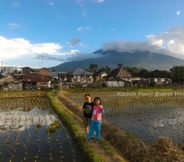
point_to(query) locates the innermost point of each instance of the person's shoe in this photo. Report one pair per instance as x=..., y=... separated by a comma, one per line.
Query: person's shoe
x=96, y=141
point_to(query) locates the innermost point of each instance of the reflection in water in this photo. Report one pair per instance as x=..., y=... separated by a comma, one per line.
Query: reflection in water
x=147, y=118
x=22, y=140
x=150, y=126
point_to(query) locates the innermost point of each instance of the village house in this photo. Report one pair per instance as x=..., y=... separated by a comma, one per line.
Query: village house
x=28, y=70
x=140, y=78
x=159, y=77
x=11, y=83
x=9, y=70
x=44, y=71
x=33, y=79
x=99, y=76
x=82, y=76
x=63, y=77
x=119, y=78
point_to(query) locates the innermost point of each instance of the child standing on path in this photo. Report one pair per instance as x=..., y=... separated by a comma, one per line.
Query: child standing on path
x=96, y=121
x=87, y=111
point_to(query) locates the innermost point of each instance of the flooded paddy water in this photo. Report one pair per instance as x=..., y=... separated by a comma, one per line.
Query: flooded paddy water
x=145, y=116
x=23, y=132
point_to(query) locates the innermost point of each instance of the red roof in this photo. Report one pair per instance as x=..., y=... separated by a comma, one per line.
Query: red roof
x=36, y=78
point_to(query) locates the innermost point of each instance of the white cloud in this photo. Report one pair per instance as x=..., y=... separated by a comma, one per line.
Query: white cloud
x=170, y=43
x=14, y=25
x=82, y=28
x=20, y=52
x=84, y=14
x=154, y=41
x=17, y=47
x=178, y=13
x=50, y=3
x=71, y=52
x=80, y=2
x=83, y=56
x=99, y=1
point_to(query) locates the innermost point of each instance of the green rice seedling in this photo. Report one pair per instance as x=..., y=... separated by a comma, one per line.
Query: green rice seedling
x=36, y=157
x=38, y=125
x=53, y=127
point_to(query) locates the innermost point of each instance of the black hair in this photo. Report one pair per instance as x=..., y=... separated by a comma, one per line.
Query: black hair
x=98, y=98
x=87, y=95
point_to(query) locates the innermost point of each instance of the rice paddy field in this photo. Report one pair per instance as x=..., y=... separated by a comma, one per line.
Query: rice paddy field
x=31, y=131
x=148, y=115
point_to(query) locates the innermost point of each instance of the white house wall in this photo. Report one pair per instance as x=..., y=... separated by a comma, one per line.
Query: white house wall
x=82, y=79
x=115, y=83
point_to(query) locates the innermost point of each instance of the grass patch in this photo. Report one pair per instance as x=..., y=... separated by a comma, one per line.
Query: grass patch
x=54, y=127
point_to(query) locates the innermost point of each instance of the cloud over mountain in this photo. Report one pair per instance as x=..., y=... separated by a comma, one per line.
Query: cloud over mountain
x=170, y=43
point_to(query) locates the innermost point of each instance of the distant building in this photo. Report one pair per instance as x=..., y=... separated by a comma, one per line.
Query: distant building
x=9, y=70
x=31, y=81
x=28, y=70
x=44, y=71
x=159, y=77
x=99, y=75
x=119, y=78
x=82, y=76
x=11, y=83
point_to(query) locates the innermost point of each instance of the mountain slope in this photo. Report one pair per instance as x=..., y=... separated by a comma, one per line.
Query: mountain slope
x=148, y=60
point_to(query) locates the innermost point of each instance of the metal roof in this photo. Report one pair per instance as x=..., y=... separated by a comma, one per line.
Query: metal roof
x=36, y=78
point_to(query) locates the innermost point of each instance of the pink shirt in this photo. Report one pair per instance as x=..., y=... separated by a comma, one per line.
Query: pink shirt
x=97, y=113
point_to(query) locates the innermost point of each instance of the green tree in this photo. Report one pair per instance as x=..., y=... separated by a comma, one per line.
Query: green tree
x=120, y=65
x=135, y=70
x=93, y=67
x=53, y=70
x=177, y=74
x=107, y=69
x=127, y=69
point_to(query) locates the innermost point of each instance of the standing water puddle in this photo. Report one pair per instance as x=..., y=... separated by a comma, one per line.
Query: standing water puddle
x=146, y=117
x=24, y=135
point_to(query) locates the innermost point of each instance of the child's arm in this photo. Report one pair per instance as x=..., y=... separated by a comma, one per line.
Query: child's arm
x=82, y=113
x=102, y=109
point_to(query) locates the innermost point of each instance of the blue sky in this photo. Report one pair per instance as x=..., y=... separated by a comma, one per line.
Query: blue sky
x=46, y=33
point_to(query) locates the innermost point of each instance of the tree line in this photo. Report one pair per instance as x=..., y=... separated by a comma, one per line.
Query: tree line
x=107, y=69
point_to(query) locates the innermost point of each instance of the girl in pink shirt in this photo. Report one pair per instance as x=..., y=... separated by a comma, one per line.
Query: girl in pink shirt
x=96, y=121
